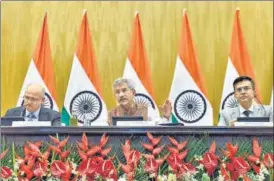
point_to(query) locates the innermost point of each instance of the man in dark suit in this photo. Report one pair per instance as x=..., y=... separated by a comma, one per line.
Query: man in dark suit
x=32, y=109
x=245, y=93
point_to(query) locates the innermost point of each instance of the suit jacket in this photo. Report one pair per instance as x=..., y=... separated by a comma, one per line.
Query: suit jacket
x=45, y=114
x=229, y=114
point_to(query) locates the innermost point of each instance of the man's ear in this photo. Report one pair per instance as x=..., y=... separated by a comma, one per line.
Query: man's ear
x=43, y=99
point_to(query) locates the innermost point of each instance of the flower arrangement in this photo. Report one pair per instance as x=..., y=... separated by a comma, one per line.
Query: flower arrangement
x=183, y=160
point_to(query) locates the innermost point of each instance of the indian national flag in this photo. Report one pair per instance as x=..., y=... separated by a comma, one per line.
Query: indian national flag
x=188, y=93
x=137, y=67
x=83, y=100
x=40, y=69
x=238, y=64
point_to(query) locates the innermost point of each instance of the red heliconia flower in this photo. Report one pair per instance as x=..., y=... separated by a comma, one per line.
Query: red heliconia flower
x=134, y=157
x=93, y=150
x=268, y=160
x=257, y=150
x=182, y=145
x=65, y=154
x=173, y=141
x=127, y=168
x=179, y=146
x=60, y=144
x=174, y=162
x=157, y=150
x=104, y=140
x=151, y=167
x=105, y=151
x=160, y=161
x=5, y=172
x=173, y=150
x=183, y=154
x=148, y=147
x=154, y=141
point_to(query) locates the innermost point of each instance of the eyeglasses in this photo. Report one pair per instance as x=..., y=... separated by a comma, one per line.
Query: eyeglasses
x=245, y=88
x=31, y=99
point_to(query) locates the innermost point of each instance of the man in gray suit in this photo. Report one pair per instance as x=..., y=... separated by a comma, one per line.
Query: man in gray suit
x=32, y=109
x=245, y=93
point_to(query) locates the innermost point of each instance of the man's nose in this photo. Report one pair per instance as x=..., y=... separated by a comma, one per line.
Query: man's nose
x=121, y=94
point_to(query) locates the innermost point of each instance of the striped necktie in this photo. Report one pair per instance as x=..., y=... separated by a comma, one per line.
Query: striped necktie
x=31, y=116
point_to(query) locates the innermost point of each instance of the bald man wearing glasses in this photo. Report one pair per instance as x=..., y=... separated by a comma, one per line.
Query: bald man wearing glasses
x=32, y=109
x=245, y=93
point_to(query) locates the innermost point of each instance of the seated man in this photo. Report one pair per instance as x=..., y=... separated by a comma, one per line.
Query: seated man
x=32, y=109
x=244, y=92
x=124, y=91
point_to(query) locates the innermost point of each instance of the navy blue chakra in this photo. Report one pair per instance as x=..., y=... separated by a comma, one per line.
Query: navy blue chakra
x=86, y=105
x=190, y=106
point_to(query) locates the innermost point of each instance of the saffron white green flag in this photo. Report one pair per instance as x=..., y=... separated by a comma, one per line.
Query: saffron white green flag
x=83, y=99
x=188, y=93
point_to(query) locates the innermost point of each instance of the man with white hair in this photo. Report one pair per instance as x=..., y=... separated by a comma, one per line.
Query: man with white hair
x=32, y=109
x=124, y=91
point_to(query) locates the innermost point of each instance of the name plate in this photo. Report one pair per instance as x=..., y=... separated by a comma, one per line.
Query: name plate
x=254, y=124
x=31, y=123
x=135, y=123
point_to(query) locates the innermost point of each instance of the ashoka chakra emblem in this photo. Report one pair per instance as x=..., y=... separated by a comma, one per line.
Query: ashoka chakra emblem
x=48, y=102
x=229, y=101
x=86, y=105
x=144, y=100
x=190, y=106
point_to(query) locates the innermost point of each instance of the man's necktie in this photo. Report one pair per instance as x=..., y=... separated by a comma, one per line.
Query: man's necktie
x=246, y=113
x=31, y=116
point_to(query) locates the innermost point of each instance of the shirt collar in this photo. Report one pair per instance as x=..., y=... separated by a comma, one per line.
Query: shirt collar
x=36, y=113
x=251, y=108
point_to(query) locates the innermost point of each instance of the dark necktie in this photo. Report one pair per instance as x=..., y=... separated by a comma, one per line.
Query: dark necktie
x=246, y=113
x=31, y=116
